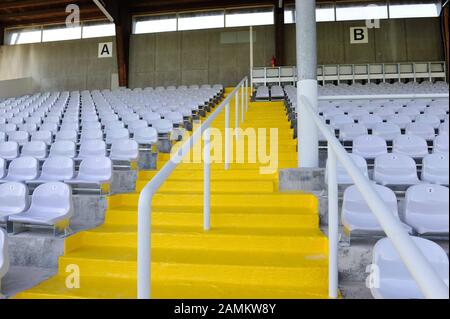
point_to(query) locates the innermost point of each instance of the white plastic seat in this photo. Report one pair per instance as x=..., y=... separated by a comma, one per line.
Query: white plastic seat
x=91, y=135
x=147, y=135
x=2, y=136
x=67, y=135
x=21, y=137
x=432, y=120
x=7, y=128
x=70, y=126
x=401, y=120
x=411, y=145
x=369, y=146
x=426, y=209
x=163, y=126
x=421, y=129
x=13, y=199
x=395, y=169
x=175, y=117
x=340, y=120
x=151, y=117
x=342, y=176
x=63, y=148
x=51, y=204
x=349, y=132
x=136, y=125
x=394, y=279
x=441, y=144
x=357, y=216
x=444, y=128
x=435, y=169
x=91, y=125
x=28, y=127
x=36, y=149
x=370, y=121
x=52, y=127
x=44, y=136
x=94, y=170
x=22, y=169
x=4, y=256
x=9, y=150
x=2, y=168
x=124, y=150
x=56, y=169
x=117, y=135
x=92, y=148
x=388, y=131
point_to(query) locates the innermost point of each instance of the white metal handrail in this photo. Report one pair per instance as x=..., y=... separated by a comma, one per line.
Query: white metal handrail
x=146, y=196
x=384, y=96
x=423, y=273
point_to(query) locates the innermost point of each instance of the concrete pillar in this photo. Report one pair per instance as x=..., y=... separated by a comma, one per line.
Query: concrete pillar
x=307, y=135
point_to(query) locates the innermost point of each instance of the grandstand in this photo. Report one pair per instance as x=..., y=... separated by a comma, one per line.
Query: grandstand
x=150, y=149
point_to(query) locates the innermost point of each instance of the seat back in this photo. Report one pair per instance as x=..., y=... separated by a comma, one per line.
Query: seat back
x=369, y=146
x=13, y=198
x=2, y=168
x=92, y=148
x=67, y=135
x=20, y=137
x=96, y=169
x=63, y=148
x=9, y=150
x=23, y=169
x=36, y=149
x=125, y=150
x=52, y=198
x=4, y=254
x=427, y=199
x=163, y=126
x=411, y=145
x=58, y=168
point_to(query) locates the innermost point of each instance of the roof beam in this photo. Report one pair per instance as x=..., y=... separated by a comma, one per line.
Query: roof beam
x=30, y=3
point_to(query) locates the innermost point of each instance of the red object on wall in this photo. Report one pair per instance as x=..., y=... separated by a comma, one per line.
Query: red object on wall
x=274, y=61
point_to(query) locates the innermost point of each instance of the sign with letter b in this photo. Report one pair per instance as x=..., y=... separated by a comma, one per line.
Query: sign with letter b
x=359, y=35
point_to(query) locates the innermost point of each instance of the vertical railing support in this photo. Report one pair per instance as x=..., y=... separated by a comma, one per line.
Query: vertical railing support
x=236, y=124
x=333, y=224
x=243, y=103
x=144, y=246
x=246, y=95
x=227, y=136
x=207, y=181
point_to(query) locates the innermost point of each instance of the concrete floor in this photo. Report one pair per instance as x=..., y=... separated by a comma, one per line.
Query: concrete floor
x=22, y=278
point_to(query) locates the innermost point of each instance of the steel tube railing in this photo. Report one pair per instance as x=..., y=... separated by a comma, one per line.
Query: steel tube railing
x=423, y=273
x=148, y=192
x=384, y=96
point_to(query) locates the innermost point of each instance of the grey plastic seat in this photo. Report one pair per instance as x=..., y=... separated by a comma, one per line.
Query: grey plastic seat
x=51, y=205
x=22, y=169
x=395, y=169
x=63, y=148
x=92, y=148
x=56, y=169
x=117, y=135
x=435, y=168
x=36, y=149
x=2, y=168
x=136, y=125
x=411, y=145
x=369, y=146
x=2, y=136
x=9, y=150
x=146, y=136
x=124, y=150
x=44, y=136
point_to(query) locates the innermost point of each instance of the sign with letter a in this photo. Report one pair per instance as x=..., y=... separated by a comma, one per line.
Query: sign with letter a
x=105, y=50
x=359, y=35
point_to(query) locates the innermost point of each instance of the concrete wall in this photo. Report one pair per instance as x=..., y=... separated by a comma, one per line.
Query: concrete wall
x=66, y=65
x=397, y=40
x=211, y=56
x=196, y=57
x=16, y=87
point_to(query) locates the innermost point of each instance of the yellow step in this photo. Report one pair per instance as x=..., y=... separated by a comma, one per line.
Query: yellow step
x=216, y=175
x=197, y=187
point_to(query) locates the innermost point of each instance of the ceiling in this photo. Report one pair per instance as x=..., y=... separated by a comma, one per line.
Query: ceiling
x=28, y=12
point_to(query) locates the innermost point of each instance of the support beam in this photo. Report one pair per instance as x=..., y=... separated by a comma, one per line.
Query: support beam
x=279, y=31
x=307, y=134
x=121, y=13
x=2, y=35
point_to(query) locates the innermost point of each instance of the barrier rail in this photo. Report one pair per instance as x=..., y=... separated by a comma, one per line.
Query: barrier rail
x=146, y=196
x=423, y=273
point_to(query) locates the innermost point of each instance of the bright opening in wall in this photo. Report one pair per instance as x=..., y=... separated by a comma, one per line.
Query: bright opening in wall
x=96, y=30
x=249, y=17
x=60, y=33
x=154, y=24
x=350, y=11
x=23, y=36
x=414, y=10
x=201, y=20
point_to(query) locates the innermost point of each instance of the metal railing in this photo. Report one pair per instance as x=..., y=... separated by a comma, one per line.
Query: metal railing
x=148, y=192
x=423, y=273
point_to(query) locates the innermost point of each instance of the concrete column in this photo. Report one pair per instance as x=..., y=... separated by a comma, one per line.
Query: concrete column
x=307, y=135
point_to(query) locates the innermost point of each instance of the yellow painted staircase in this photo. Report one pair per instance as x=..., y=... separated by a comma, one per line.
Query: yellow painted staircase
x=263, y=243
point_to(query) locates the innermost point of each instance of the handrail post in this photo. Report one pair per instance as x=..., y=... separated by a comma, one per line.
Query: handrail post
x=246, y=95
x=207, y=181
x=236, y=124
x=243, y=103
x=144, y=245
x=333, y=225
x=227, y=136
